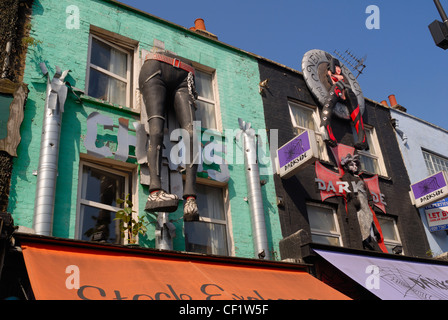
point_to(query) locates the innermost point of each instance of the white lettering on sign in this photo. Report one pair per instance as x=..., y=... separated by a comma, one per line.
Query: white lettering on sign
x=343, y=187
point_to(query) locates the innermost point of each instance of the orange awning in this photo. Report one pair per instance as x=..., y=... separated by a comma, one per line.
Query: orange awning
x=75, y=272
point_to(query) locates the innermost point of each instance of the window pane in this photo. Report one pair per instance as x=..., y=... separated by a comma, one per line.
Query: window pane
x=368, y=164
x=321, y=219
x=204, y=85
x=429, y=164
x=321, y=145
x=106, y=88
x=99, y=225
x=370, y=140
x=210, y=202
x=369, y=135
x=368, y=158
x=303, y=116
x=98, y=84
x=435, y=163
x=101, y=186
x=208, y=238
x=117, y=92
x=390, y=247
x=107, y=57
x=388, y=229
x=323, y=225
x=325, y=240
x=100, y=54
x=205, y=113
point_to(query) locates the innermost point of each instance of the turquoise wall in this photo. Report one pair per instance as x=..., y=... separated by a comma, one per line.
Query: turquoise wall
x=237, y=78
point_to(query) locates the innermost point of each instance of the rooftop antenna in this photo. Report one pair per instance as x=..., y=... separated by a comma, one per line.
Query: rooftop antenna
x=357, y=65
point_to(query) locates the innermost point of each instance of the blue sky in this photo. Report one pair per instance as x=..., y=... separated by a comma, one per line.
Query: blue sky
x=402, y=58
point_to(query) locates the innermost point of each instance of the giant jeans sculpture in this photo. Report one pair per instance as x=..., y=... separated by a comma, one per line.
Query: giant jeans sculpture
x=164, y=80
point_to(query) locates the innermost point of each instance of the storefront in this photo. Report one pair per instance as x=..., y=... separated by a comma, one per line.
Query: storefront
x=63, y=269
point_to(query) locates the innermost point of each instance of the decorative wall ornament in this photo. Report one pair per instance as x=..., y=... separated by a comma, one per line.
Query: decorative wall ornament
x=166, y=79
x=314, y=67
x=337, y=90
x=359, y=194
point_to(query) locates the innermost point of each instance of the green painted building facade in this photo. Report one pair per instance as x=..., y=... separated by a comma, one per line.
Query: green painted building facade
x=79, y=36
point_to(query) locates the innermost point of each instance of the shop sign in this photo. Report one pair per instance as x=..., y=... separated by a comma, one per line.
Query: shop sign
x=437, y=215
x=429, y=190
x=113, y=144
x=297, y=154
x=330, y=183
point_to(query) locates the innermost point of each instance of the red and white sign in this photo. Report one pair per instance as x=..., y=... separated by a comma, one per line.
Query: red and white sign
x=437, y=215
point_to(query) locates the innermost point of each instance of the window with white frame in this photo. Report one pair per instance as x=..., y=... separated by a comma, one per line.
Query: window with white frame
x=110, y=69
x=324, y=224
x=372, y=159
x=98, y=190
x=307, y=118
x=390, y=234
x=209, y=235
x=207, y=99
x=435, y=163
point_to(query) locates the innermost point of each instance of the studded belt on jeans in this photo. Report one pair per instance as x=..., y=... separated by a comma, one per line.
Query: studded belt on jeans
x=176, y=63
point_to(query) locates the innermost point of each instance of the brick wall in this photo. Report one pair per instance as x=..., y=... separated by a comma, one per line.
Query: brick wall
x=237, y=78
x=285, y=84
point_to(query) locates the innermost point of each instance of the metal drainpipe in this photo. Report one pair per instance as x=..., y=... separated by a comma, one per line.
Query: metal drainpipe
x=165, y=232
x=254, y=190
x=47, y=170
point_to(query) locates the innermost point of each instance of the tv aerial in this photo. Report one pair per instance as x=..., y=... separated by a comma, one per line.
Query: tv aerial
x=354, y=63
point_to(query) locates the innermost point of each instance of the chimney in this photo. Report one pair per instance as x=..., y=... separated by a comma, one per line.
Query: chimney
x=199, y=27
x=199, y=24
x=394, y=104
x=393, y=100
x=384, y=103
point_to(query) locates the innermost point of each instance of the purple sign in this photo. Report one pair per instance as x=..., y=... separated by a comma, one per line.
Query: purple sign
x=430, y=189
x=295, y=153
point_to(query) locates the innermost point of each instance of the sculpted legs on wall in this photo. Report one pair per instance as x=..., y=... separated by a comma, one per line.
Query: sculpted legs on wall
x=166, y=80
